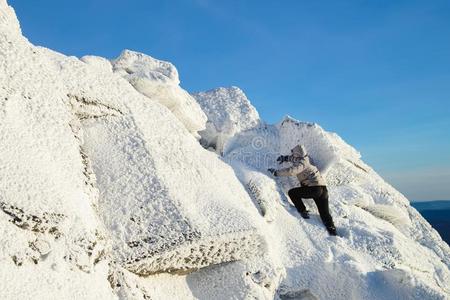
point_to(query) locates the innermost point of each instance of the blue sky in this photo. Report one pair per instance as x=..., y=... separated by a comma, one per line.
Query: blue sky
x=375, y=72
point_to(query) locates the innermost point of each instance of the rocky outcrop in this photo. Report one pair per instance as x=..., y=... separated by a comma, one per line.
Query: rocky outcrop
x=229, y=112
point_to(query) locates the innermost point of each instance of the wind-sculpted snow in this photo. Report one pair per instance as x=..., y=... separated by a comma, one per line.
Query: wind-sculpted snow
x=55, y=218
x=378, y=239
x=105, y=193
x=160, y=228
x=49, y=233
x=158, y=80
x=8, y=20
x=229, y=112
x=120, y=151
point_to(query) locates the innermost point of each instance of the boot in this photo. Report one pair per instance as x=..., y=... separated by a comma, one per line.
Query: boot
x=332, y=230
x=304, y=214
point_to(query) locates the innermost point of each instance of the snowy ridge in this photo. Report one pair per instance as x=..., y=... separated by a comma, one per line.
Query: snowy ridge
x=158, y=80
x=48, y=231
x=374, y=219
x=55, y=217
x=106, y=193
x=98, y=62
x=8, y=19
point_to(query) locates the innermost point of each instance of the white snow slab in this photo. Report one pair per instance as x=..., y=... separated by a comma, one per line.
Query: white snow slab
x=165, y=209
x=229, y=112
x=50, y=235
x=159, y=81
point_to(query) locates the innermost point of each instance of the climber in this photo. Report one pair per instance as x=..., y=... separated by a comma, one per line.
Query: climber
x=312, y=185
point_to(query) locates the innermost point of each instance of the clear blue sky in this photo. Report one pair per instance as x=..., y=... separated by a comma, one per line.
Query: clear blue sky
x=375, y=72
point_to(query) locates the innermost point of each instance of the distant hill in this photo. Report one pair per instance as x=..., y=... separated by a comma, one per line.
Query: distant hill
x=437, y=213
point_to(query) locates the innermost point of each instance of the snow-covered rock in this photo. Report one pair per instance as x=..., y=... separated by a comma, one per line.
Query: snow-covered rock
x=159, y=81
x=49, y=233
x=103, y=182
x=381, y=240
x=229, y=112
x=176, y=213
x=66, y=123
x=97, y=62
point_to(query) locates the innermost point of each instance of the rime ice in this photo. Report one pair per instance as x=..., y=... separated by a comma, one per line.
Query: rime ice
x=107, y=193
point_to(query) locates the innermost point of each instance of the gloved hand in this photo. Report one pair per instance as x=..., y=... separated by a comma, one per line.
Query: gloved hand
x=282, y=158
x=273, y=171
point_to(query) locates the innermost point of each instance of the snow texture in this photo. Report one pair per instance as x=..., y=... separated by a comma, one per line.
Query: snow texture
x=158, y=80
x=378, y=238
x=97, y=62
x=392, y=214
x=229, y=112
x=106, y=193
x=165, y=224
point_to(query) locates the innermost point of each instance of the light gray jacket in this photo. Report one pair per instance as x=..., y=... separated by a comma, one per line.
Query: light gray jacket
x=306, y=172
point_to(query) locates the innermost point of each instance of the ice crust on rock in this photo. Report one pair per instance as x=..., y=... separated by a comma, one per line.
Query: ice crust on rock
x=165, y=225
x=159, y=81
x=228, y=111
x=49, y=232
x=101, y=184
x=379, y=228
x=54, y=216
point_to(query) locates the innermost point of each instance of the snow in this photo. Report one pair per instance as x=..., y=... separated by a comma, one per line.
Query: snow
x=165, y=224
x=97, y=62
x=229, y=112
x=8, y=20
x=158, y=80
x=49, y=234
x=373, y=220
x=106, y=193
x=392, y=214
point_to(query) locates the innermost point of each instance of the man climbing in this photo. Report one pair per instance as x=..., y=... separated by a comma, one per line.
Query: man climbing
x=312, y=185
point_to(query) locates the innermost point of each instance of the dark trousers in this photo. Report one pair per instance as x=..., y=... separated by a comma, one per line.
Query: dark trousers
x=320, y=196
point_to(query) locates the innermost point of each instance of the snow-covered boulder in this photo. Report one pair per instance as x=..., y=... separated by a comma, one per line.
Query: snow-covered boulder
x=97, y=178
x=169, y=204
x=229, y=112
x=383, y=235
x=323, y=147
x=158, y=80
x=102, y=184
x=49, y=232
